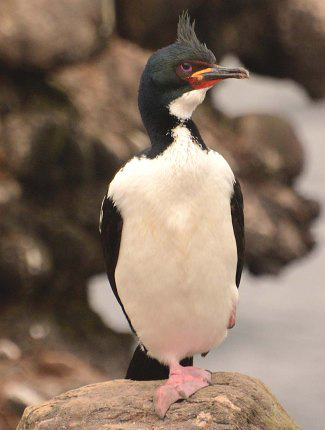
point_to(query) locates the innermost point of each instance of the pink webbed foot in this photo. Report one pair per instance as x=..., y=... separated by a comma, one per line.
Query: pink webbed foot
x=232, y=319
x=182, y=383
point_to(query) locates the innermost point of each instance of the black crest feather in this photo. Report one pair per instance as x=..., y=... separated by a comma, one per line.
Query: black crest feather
x=186, y=35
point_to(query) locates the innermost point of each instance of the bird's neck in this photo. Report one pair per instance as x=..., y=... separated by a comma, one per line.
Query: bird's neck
x=161, y=116
x=160, y=124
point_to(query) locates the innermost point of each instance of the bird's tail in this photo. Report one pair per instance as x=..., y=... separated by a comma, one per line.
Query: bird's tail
x=144, y=368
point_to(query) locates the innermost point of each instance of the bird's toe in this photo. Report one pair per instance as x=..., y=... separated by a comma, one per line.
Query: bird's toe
x=164, y=397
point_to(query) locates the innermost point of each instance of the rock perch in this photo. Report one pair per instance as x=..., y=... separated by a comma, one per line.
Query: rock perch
x=233, y=402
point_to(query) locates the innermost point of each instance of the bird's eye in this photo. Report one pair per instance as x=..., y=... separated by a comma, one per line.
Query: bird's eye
x=186, y=67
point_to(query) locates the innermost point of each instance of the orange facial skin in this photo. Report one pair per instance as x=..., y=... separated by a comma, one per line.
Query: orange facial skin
x=199, y=84
x=196, y=80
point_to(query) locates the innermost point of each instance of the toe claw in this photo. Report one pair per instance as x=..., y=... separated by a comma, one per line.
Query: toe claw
x=209, y=378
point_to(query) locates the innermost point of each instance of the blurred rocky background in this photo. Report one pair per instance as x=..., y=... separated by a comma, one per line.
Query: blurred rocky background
x=69, y=74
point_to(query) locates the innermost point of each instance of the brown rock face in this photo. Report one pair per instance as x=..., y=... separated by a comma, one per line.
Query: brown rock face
x=44, y=33
x=234, y=401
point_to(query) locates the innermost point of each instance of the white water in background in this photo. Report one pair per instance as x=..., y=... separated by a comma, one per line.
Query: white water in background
x=280, y=332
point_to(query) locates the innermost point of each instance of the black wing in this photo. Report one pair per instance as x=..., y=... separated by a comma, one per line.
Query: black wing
x=111, y=225
x=237, y=215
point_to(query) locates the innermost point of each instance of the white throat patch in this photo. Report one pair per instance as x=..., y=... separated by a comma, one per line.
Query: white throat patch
x=184, y=106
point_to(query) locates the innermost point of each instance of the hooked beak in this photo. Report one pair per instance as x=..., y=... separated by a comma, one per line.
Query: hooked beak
x=209, y=77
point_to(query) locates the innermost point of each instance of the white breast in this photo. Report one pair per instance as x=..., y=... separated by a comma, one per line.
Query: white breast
x=177, y=262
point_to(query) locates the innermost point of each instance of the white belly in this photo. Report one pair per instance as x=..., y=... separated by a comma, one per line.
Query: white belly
x=177, y=262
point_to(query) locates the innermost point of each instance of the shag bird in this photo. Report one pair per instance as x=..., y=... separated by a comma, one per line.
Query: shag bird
x=172, y=225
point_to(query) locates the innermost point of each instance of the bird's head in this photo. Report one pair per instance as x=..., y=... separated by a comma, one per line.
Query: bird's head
x=177, y=77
